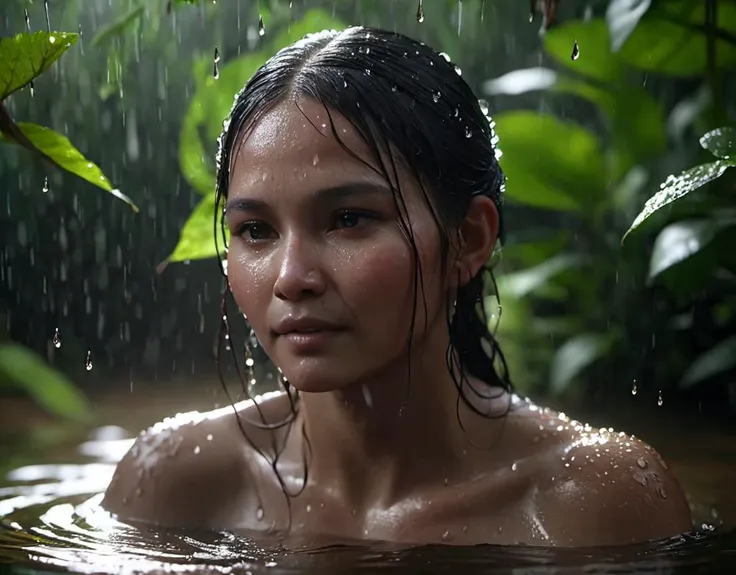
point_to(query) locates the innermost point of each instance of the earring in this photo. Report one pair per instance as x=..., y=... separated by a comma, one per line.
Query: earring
x=250, y=375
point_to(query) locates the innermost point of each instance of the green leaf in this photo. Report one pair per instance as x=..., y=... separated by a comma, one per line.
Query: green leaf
x=118, y=26
x=526, y=281
x=717, y=359
x=721, y=142
x=622, y=16
x=61, y=151
x=50, y=388
x=676, y=187
x=596, y=59
x=679, y=241
x=196, y=240
x=574, y=356
x=26, y=56
x=672, y=41
x=314, y=20
x=549, y=163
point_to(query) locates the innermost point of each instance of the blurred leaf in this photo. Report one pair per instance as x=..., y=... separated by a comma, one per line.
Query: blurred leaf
x=48, y=387
x=678, y=241
x=676, y=187
x=672, y=41
x=314, y=20
x=549, y=163
x=717, y=359
x=687, y=111
x=521, y=81
x=596, y=59
x=117, y=27
x=63, y=154
x=26, y=56
x=524, y=282
x=575, y=355
x=721, y=143
x=622, y=16
x=196, y=240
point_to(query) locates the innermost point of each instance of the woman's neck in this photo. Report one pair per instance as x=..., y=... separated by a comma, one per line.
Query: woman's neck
x=379, y=439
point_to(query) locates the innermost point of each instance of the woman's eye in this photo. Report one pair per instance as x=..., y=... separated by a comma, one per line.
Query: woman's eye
x=253, y=231
x=351, y=219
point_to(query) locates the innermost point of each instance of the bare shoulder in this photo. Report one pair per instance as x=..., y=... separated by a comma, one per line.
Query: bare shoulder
x=184, y=470
x=601, y=487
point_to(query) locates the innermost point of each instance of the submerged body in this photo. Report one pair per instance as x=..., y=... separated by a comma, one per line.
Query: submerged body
x=542, y=479
x=363, y=200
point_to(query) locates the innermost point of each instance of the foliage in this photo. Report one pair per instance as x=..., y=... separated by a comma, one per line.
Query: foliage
x=22, y=59
x=594, y=184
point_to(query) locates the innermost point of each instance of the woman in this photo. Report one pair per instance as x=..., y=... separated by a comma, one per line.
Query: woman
x=363, y=198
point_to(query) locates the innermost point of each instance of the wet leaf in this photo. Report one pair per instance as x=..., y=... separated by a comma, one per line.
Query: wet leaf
x=574, y=356
x=26, y=56
x=721, y=143
x=49, y=388
x=63, y=154
x=596, y=59
x=716, y=360
x=622, y=16
x=524, y=282
x=117, y=27
x=196, y=240
x=679, y=241
x=668, y=40
x=549, y=163
x=676, y=187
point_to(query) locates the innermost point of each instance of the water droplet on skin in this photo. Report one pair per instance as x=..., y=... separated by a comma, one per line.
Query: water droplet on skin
x=445, y=536
x=259, y=513
x=261, y=27
x=57, y=339
x=641, y=462
x=315, y=160
x=465, y=528
x=216, y=65
x=197, y=449
x=662, y=493
x=309, y=508
x=88, y=361
x=640, y=478
x=514, y=467
x=209, y=437
x=45, y=188
x=420, y=11
x=575, y=51
x=660, y=401
x=446, y=482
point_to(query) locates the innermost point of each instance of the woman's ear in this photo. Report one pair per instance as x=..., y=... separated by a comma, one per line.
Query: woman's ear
x=477, y=234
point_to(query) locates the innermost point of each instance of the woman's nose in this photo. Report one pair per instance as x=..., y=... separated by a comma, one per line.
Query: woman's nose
x=300, y=273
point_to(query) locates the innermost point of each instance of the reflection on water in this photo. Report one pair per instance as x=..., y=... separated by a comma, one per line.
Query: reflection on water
x=52, y=521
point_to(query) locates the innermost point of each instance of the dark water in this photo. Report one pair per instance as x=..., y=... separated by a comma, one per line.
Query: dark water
x=52, y=522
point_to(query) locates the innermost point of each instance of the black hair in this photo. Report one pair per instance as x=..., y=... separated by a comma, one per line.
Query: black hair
x=414, y=110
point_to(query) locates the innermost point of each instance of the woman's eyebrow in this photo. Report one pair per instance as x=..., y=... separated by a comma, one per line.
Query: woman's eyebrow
x=324, y=196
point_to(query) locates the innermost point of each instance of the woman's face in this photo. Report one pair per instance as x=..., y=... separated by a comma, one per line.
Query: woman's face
x=318, y=261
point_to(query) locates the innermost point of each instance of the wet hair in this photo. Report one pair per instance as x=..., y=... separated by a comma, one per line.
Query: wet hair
x=414, y=111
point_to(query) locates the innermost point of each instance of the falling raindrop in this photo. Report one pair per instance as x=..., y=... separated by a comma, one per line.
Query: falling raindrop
x=28, y=20
x=216, y=65
x=575, y=51
x=660, y=401
x=46, y=8
x=88, y=361
x=32, y=88
x=261, y=28
x=634, y=389
x=532, y=10
x=57, y=339
x=420, y=12
x=45, y=188
x=459, y=16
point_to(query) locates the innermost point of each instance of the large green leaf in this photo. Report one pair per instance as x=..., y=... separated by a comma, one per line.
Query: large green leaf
x=679, y=241
x=549, y=163
x=26, y=56
x=596, y=59
x=671, y=40
x=721, y=143
x=622, y=17
x=574, y=356
x=676, y=187
x=524, y=282
x=25, y=370
x=197, y=237
x=62, y=153
x=118, y=26
x=718, y=359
